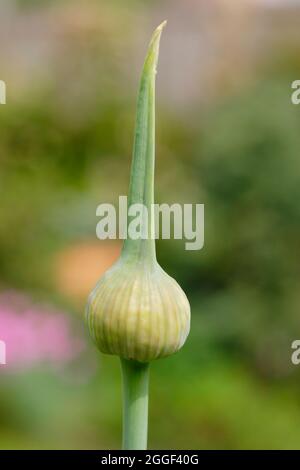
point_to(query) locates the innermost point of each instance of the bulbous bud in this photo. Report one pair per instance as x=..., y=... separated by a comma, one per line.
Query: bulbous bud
x=138, y=312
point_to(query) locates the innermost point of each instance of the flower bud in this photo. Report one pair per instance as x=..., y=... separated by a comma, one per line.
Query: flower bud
x=136, y=310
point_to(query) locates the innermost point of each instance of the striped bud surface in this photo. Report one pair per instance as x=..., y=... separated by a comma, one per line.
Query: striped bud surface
x=138, y=312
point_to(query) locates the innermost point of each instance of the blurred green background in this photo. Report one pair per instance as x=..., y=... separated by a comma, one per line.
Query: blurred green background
x=227, y=136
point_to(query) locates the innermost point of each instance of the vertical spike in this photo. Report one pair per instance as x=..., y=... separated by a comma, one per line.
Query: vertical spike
x=141, y=188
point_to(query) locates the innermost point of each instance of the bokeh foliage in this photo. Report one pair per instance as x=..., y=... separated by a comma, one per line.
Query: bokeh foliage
x=233, y=385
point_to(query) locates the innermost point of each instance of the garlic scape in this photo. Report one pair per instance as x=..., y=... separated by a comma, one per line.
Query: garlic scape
x=137, y=311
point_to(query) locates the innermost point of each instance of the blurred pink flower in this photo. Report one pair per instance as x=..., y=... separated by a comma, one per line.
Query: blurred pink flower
x=35, y=333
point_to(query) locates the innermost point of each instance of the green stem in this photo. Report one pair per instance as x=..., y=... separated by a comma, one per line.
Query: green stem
x=135, y=404
x=141, y=188
x=141, y=192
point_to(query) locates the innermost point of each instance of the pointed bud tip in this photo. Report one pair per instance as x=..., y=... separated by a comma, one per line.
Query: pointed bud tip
x=158, y=31
x=153, y=50
x=161, y=26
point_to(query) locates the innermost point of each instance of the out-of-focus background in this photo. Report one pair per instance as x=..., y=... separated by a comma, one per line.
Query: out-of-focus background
x=228, y=136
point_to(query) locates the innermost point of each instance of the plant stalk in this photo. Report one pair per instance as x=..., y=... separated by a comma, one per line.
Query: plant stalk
x=135, y=377
x=141, y=188
x=141, y=192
